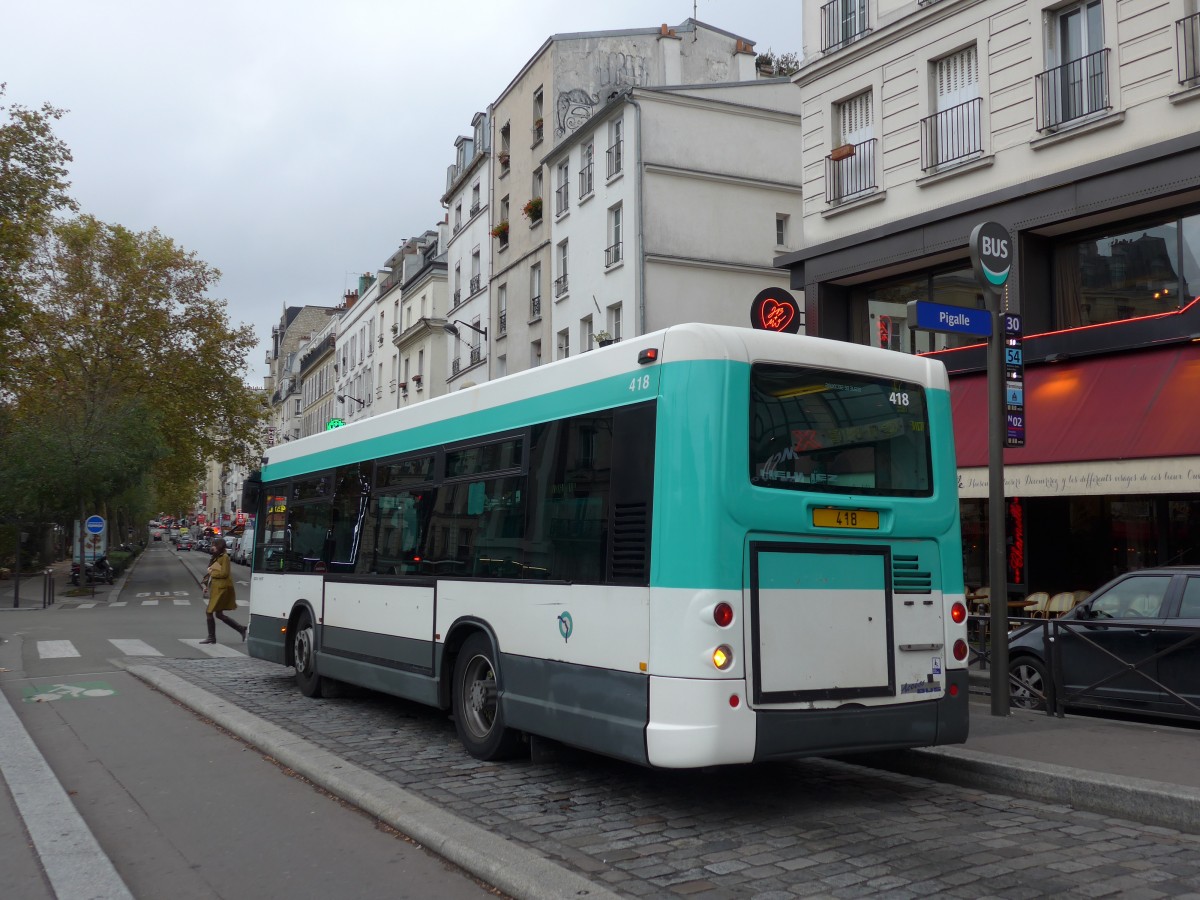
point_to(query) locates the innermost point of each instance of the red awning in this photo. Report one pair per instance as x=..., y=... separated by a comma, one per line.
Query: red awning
x=1134, y=405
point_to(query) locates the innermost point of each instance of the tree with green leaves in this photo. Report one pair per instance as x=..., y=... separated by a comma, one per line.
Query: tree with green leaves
x=33, y=188
x=129, y=373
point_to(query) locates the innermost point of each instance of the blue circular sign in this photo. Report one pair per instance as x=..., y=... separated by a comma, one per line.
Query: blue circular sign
x=95, y=525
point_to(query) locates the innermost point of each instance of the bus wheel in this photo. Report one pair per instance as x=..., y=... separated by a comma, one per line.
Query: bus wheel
x=1027, y=683
x=477, y=715
x=305, y=655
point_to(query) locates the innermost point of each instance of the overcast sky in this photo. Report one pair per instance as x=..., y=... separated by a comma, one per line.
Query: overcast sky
x=293, y=145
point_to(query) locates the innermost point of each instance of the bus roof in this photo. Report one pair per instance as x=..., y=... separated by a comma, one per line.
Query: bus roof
x=692, y=341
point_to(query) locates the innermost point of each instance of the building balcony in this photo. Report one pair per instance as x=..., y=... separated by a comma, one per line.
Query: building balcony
x=535, y=307
x=502, y=323
x=1187, y=50
x=560, y=285
x=850, y=171
x=476, y=354
x=586, y=185
x=842, y=21
x=612, y=255
x=615, y=159
x=951, y=135
x=474, y=285
x=455, y=366
x=560, y=199
x=1072, y=91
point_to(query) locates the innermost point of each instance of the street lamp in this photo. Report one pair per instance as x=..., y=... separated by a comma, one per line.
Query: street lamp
x=342, y=398
x=450, y=329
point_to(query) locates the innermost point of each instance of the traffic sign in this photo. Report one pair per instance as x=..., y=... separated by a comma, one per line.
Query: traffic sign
x=94, y=525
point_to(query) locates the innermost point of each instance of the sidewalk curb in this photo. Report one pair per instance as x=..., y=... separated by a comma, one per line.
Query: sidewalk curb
x=494, y=860
x=1139, y=799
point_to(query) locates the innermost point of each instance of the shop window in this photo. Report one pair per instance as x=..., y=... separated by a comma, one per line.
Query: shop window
x=1127, y=273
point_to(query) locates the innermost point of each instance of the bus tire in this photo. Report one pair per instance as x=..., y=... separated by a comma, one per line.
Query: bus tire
x=1028, y=684
x=304, y=652
x=478, y=718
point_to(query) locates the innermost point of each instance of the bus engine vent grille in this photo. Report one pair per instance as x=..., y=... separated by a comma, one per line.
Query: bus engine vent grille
x=630, y=540
x=908, y=577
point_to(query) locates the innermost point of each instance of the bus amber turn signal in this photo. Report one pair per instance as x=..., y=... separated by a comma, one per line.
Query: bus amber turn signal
x=723, y=657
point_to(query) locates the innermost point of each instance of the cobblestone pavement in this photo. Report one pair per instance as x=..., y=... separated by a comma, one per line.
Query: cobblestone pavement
x=808, y=828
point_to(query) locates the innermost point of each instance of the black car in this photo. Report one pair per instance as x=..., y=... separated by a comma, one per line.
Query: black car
x=1134, y=645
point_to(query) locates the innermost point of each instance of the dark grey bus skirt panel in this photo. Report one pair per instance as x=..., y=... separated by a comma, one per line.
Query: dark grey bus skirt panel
x=785, y=734
x=265, y=640
x=602, y=710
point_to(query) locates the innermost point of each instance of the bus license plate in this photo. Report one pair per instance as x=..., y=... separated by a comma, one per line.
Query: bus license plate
x=845, y=518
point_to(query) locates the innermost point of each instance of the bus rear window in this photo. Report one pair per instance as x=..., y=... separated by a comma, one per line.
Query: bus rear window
x=837, y=433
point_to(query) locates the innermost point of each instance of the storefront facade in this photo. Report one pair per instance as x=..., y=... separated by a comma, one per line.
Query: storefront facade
x=1101, y=194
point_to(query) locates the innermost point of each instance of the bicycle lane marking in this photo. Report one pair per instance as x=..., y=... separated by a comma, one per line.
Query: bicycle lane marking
x=69, y=853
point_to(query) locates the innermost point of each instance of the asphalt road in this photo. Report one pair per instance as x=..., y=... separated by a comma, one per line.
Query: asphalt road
x=180, y=808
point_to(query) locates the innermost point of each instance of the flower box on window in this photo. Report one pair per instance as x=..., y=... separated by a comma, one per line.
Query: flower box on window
x=533, y=209
x=501, y=229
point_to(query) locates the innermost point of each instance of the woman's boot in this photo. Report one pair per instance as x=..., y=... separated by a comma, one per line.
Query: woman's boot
x=212, y=630
x=232, y=624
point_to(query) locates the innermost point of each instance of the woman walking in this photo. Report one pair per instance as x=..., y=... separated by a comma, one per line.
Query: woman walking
x=218, y=584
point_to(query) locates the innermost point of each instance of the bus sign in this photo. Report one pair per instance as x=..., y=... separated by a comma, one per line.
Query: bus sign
x=947, y=319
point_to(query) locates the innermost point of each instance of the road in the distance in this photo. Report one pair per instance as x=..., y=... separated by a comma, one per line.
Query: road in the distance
x=182, y=809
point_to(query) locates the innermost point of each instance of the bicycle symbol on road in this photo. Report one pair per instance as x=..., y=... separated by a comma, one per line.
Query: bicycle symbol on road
x=44, y=693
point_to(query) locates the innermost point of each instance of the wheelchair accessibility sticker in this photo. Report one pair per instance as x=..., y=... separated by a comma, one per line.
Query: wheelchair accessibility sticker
x=87, y=689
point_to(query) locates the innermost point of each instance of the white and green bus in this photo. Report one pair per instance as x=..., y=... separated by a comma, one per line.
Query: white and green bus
x=705, y=545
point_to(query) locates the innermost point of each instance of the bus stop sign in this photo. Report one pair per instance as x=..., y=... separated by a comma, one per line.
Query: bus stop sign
x=94, y=525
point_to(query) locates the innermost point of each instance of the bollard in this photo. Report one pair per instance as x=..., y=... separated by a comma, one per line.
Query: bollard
x=48, y=588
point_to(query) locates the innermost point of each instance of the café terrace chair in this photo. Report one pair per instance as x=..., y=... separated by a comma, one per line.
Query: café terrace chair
x=1035, y=605
x=1059, y=604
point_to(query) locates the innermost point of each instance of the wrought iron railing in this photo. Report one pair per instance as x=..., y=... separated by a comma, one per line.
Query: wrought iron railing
x=850, y=171
x=1073, y=90
x=612, y=254
x=841, y=22
x=475, y=207
x=1187, y=49
x=502, y=322
x=535, y=307
x=474, y=285
x=476, y=354
x=614, y=158
x=457, y=296
x=952, y=134
x=586, y=185
x=455, y=365
x=560, y=285
x=560, y=199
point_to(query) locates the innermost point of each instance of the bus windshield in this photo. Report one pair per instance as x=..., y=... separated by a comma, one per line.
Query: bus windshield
x=837, y=433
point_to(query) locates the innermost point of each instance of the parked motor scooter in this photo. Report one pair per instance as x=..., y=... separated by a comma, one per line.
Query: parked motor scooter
x=101, y=570
x=75, y=573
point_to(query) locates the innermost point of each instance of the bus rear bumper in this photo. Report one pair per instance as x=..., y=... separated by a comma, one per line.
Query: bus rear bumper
x=786, y=734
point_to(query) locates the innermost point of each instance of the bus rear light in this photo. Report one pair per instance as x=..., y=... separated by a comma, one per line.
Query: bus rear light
x=734, y=701
x=723, y=657
x=952, y=690
x=960, y=649
x=723, y=614
x=958, y=612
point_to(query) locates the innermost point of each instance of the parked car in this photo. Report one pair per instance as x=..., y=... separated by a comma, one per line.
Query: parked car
x=1125, y=647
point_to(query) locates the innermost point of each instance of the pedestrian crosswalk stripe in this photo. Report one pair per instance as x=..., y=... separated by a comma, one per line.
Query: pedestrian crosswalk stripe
x=86, y=605
x=133, y=647
x=149, y=603
x=181, y=601
x=243, y=602
x=118, y=603
x=211, y=649
x=56, y=649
